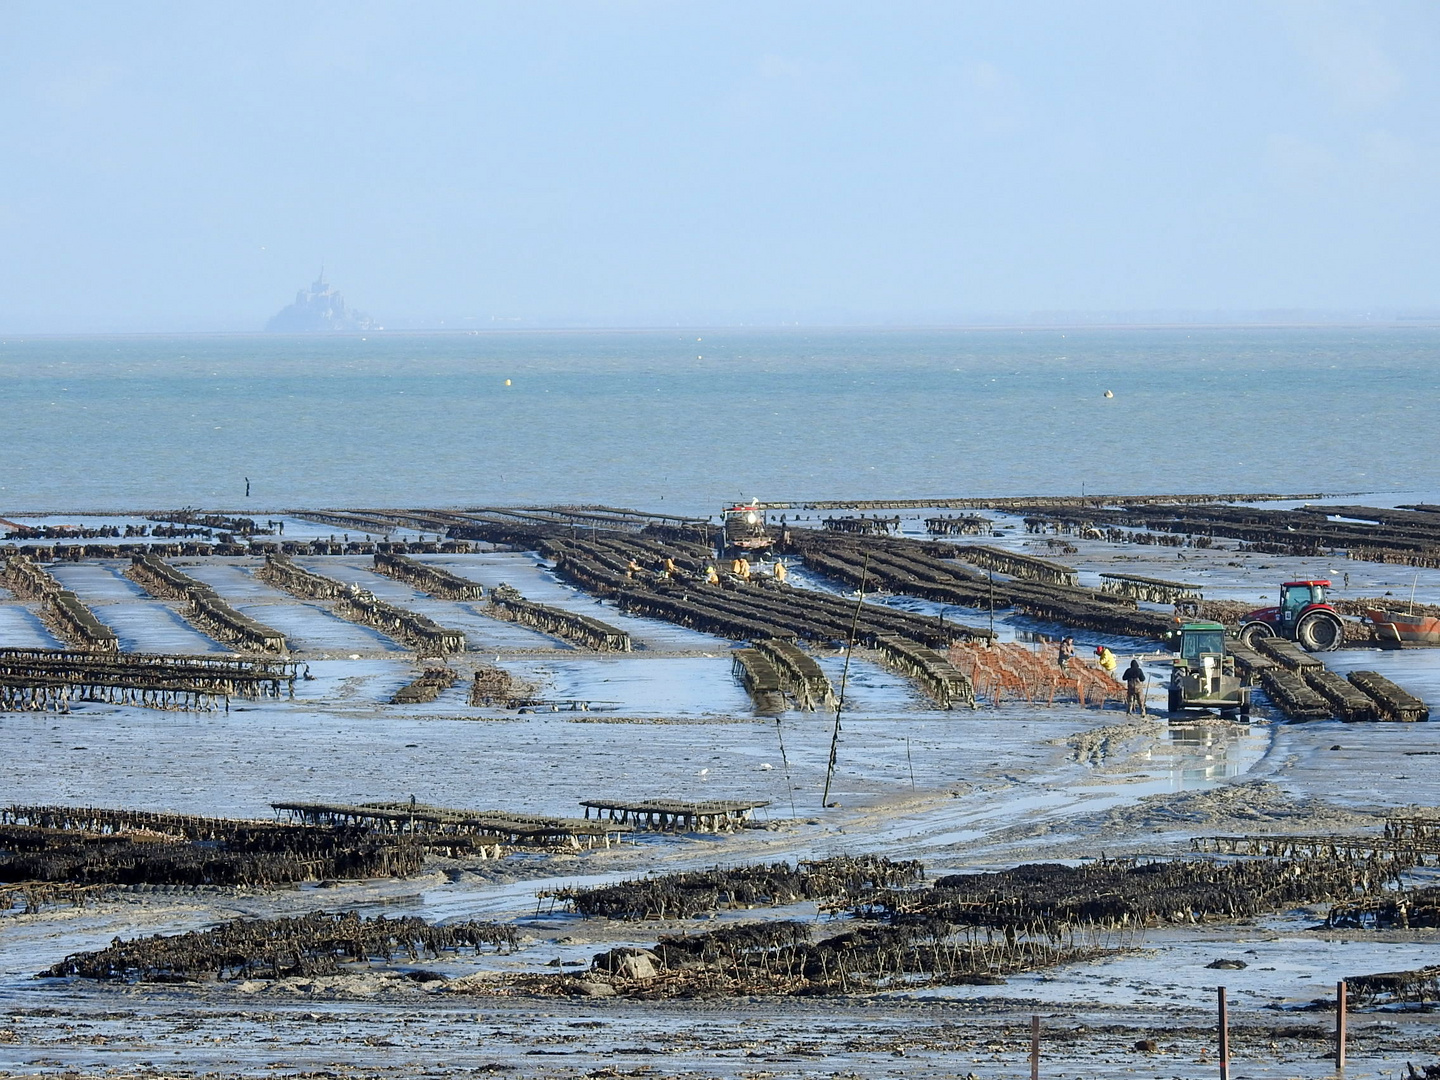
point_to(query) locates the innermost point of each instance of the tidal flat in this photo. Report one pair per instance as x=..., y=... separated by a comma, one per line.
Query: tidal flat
x=961, y=790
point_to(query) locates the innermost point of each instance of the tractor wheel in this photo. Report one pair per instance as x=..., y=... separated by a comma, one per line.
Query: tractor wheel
x=1253, y=632
x=1320, y=632
x=1177, y=700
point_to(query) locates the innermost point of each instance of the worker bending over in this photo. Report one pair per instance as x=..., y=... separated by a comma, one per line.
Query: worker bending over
x=1107, y=660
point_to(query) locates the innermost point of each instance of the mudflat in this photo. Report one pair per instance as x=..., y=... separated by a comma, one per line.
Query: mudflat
x=1021, y=780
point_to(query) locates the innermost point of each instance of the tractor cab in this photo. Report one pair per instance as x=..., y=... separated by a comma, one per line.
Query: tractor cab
x=1303, y=614
x=1201, y=639
x=744, y=528
x=1296, y=597
x=1202, y=675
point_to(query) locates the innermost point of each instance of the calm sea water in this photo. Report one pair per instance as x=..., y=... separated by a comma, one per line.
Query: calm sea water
x=687, y=420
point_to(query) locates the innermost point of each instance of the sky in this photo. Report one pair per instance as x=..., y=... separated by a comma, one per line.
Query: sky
x=188, y=167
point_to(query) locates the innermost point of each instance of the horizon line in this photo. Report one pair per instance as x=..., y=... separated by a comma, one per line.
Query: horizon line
x=1419, y=322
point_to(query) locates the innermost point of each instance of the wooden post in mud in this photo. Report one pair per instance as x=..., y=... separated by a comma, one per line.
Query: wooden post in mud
x=1224, y=1029
x=1340, y=1026
x=1035, y=1047
x=992, y=604
x=844, y=680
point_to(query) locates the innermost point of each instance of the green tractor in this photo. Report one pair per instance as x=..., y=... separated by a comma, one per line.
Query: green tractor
x=1202, y=675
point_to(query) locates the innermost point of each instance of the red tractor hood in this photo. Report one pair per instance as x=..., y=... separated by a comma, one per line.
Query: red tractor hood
x=1272, y=614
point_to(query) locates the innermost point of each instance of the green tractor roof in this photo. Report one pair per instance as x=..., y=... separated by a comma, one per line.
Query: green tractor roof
x=1202, y=626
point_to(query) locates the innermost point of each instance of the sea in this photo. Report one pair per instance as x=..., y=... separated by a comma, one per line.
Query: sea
x=683, y=421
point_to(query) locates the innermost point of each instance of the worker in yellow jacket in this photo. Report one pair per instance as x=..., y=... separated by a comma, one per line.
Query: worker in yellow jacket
x=1107, y=660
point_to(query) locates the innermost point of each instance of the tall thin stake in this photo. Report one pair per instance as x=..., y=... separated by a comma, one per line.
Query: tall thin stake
x=844, y=681
x=1340, y=1027
x=786, y=761
x=911, y=761
x=992, y=604
x=1035, y=1048
x=1224, y=1027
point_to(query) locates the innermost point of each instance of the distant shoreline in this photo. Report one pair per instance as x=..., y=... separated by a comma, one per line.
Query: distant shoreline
x=768, y=328
x=1011, y=503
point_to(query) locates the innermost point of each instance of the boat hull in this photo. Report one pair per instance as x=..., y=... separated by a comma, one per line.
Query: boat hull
x=1394, y=626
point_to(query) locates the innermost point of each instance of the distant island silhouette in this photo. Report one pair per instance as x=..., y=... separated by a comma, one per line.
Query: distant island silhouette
x=319, y=309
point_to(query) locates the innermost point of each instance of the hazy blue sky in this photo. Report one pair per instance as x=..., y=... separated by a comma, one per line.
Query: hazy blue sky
x=189, y=165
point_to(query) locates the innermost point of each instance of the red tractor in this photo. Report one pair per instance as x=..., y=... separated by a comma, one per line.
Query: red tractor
x=1302, y=615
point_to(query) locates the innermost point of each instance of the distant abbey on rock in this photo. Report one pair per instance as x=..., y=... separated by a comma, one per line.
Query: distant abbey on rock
x=319, y=309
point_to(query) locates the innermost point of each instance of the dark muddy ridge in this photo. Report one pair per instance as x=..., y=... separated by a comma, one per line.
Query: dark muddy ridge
x=314, y=944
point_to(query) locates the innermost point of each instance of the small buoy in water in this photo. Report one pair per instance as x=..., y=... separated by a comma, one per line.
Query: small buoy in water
x=1108, y=393
x=507, y=383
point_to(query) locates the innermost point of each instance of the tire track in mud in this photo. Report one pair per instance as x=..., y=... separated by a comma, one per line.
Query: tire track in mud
x=1096, y=747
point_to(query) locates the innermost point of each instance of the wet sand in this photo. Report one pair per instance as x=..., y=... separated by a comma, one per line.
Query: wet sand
x=983, y=789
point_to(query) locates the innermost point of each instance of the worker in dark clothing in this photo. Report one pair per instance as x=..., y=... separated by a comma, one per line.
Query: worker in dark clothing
x=1135, y=689
x=1066, y=652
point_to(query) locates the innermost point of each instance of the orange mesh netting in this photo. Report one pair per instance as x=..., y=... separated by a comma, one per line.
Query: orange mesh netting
x=1011, y=671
